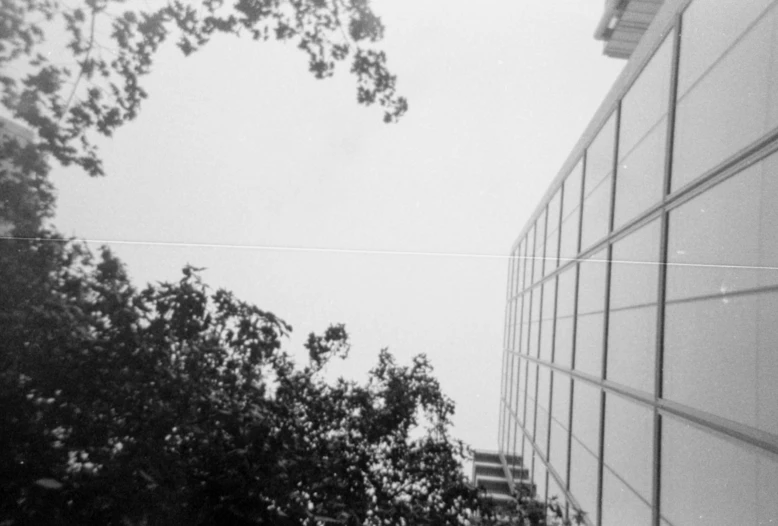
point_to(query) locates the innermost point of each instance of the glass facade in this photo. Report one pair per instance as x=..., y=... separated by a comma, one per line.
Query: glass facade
x=640, y=367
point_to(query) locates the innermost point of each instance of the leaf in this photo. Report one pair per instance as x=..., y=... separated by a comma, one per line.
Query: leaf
x=49, y=483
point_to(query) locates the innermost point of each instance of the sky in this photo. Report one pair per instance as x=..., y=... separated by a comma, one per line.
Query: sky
x=301, y=201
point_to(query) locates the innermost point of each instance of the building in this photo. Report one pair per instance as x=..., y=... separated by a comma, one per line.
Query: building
x=22, y=193
x=640, y=365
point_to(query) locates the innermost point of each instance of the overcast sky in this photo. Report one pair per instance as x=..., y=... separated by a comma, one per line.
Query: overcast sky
x=303, y=202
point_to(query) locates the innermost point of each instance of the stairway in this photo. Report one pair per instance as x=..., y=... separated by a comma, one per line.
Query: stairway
x=488, y=472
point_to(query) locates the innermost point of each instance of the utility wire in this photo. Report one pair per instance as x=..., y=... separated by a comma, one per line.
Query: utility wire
x=281, y=248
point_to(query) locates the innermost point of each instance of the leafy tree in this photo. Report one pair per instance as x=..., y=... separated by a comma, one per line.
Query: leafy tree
x=176, y=404
x=68, y=106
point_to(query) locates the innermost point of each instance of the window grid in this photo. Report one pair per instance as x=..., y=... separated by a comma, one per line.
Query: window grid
x=527, y=289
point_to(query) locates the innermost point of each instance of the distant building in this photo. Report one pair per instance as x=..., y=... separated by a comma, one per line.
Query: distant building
x=9, y=131
x=640, y=364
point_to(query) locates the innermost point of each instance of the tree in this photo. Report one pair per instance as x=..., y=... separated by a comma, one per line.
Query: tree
x=176, y=404
x=68, y=106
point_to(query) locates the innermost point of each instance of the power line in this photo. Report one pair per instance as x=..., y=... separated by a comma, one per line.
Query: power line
x=282, y=248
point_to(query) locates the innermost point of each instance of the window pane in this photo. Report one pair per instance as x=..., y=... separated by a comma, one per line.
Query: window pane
x=586, y=415
x=588, y=343
x=640, y=177
x=517, y=322
x=585, y=446
x=720, y=356
x=560, y=413
x=705, y=476
x=628, y=458
x=552, y=251
x=539, y=479
x=731, y=105
x=727, y=227
x=563, y=342
x=621, y=505
x=709, y=29
x=589, y=324
x=632, y=330
x=595, y=220
x=599, y=156
x=546, y=339
x=553, y=213
x=527, y=329
x=583, y=479
x=530, y=256
x=549, y=299
x=541, y=429
x=557, y=498
x=534, y=331
x=632, y=347
x=525, y=322
x=521, y=396
x=540, y=243
x=646, y=102
x=566, y=296
x=532, y=372
x=529, y=419
x=572, y=189
x=634, y=268
x=558, y=448
x=591, y=283
x=568, y=249
x=547, y=325
x=544, y=387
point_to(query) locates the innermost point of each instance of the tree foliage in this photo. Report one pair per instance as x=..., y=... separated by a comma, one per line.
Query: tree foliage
x=69, y=105
x=177, y=404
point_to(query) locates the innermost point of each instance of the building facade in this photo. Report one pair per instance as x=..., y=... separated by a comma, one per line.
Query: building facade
x=21, y=192
x=640, y=364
